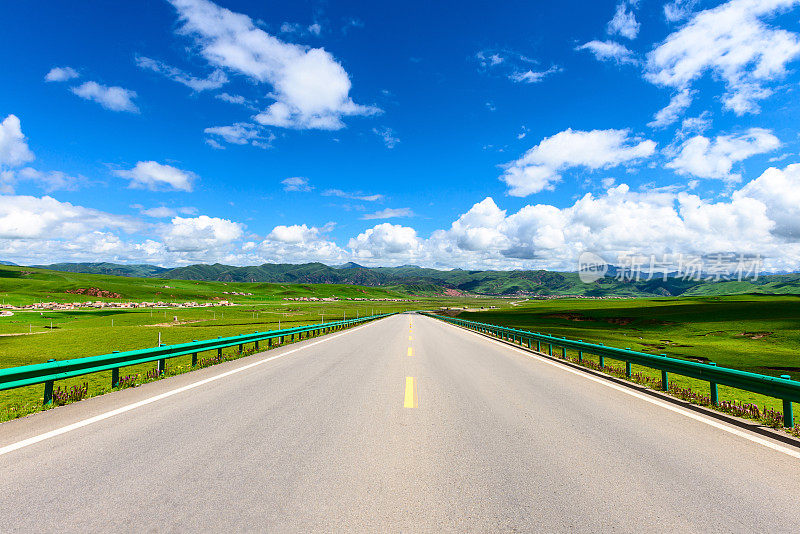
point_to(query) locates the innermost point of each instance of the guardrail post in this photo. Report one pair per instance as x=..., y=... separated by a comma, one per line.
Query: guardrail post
x=602, y=361
x=241, y=348
x=580, y=353
x=538, y=346
x=161, y=365
x=115, y=374
x=664, y=381
x=550, y=349
x=788, y=414
x=48, y=389
x=714, y=389
x=563, y=353
x=529, y=343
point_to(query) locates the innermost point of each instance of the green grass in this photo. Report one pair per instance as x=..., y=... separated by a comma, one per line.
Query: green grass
x=699, y=328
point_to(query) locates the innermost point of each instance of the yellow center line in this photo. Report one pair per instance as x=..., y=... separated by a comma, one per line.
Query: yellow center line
x=410, y=351
x=410, y=400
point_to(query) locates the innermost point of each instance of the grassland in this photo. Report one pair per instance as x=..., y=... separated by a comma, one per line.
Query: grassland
x=754, y=333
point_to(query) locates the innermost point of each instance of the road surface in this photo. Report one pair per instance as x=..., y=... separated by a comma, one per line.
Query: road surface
x=404, y=424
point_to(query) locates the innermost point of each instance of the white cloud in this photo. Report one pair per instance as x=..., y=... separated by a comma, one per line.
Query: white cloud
x=61, y=74
x=197, y=234
x=352, y=195
x=389, y=213
x=311, y=89
x=27, y=217
x=679, y=103
x=233, y=99
x=242, y=133
x=531, y=76
x=733, y=44
x=540, y=167
x=14, y=149
x=779, y=191
x=678, y=9
x=159, y=212
x=113, y=98
x=762, y=217
x=315, y=29
x=705, y=158
x=157, y=177
x=52, y=180
x=489, y=58
x=385, y=240
x=609, y=51
x=388, y=136
x=297, y=233
x=624, y=23
x=215, y=80
x=296, y=183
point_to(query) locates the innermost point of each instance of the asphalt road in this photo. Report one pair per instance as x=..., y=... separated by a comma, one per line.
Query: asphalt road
x=354, y=432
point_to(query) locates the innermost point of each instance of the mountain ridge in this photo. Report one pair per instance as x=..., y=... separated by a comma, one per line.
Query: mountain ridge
x=422, y=279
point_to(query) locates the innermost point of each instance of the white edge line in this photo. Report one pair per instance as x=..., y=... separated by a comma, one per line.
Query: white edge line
x=97, y=418
x=633, y=393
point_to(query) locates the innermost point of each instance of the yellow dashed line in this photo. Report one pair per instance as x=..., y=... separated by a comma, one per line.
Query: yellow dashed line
x=410, y=351
x=410, y=400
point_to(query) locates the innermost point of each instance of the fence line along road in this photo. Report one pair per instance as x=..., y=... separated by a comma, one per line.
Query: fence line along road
x=47, y=373
x=781, y=388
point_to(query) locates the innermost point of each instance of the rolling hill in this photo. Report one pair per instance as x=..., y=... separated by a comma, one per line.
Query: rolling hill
x=418, y=280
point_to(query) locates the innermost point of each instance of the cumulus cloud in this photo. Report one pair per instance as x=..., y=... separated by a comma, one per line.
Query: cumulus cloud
x=197, y=234
x=624, y=22
x=389, y=213
x=609, y=51
x=61, y=74
x=310, y=88
x=541, y=166
x=157, y=177
x=215, y=80
x=113, y=98
x=14, y=149
x=28, y=217
x=706, y=158
x=732, y=43
x=385, y=240
x=298, y=233
x=296, y=183
x=762, y=217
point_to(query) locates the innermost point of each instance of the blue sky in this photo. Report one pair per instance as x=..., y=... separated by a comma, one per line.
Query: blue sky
x=483, y=135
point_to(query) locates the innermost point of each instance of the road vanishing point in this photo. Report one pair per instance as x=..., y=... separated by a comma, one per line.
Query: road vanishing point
x=405, y=424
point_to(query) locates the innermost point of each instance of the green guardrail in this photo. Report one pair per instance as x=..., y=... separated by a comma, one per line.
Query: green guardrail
x=47, y=373
x=783, y=388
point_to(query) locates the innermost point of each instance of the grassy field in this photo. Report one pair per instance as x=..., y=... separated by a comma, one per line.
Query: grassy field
x=754, y=333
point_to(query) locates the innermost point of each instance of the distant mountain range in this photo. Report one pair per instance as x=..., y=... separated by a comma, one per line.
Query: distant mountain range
x=423, y=280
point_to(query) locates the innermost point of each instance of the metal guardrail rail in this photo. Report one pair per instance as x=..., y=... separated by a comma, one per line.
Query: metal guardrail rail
x=47, y=373
x=782, y=388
